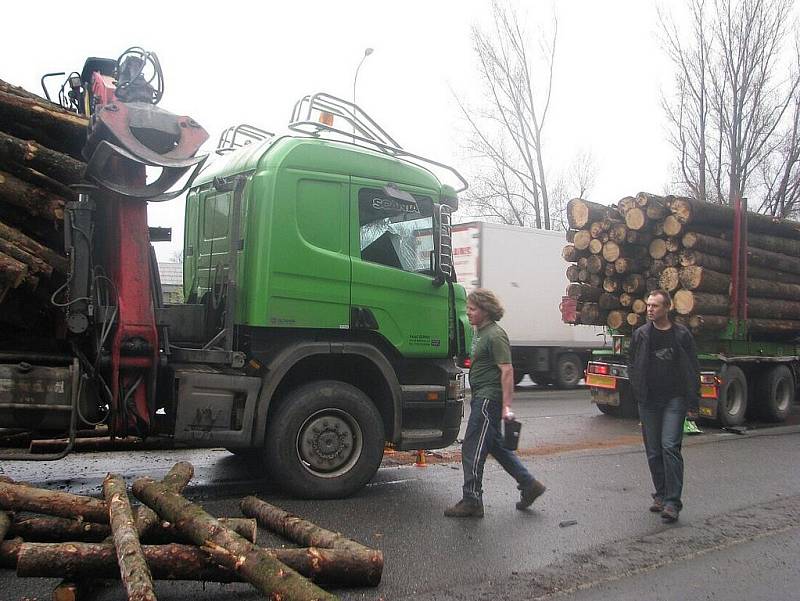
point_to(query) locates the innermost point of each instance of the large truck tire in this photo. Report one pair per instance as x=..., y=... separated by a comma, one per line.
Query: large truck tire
x=518, y=376
x=776, y=390
x=324, y=441
x=569, y=371
x=606, y=409
x=732, y=405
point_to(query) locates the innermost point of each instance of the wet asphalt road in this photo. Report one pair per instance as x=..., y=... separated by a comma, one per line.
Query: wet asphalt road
x=741, y=497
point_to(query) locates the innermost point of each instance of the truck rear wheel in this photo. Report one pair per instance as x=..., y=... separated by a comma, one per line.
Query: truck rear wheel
x=518, y=376
x=732, y=405
x=776, y=389
x=569, y=370
x=324, y=441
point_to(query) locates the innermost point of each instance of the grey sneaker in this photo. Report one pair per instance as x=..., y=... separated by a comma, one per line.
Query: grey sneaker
x=465, y=508
x=657, y=506
x=530, y=493
x=670, y=514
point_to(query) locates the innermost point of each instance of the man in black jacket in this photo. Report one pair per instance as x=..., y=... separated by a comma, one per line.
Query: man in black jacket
x=665, y=378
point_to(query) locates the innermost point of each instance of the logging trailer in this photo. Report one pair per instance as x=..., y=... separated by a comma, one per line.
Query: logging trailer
x=322, y=315
x=743, y=372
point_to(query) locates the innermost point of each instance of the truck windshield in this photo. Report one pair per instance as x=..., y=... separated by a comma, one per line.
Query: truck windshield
x=395, y=233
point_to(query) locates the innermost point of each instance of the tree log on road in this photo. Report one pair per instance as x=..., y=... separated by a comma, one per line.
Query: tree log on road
x=332, y=567
x=134, y=573
x=257, y=566
x=27, y=498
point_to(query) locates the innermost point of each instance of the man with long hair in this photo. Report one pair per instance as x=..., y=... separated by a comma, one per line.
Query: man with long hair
x=665, y=379
x=491, y=377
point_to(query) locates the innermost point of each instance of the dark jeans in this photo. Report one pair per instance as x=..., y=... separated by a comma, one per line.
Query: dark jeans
x=662, y=431
x=482, y=438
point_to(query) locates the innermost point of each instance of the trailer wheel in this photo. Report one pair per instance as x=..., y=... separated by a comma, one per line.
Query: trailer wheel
x=732, y=405
x=569, y=370
x=776, y=389
x=325, y=440
x=606, y=409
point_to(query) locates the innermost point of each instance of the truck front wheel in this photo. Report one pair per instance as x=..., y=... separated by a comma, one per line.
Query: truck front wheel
x=732, y=397
x=775, y=393
x=324, y=441
x=569, y=370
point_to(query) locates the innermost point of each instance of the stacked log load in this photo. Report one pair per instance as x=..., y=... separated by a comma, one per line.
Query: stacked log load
x=682, y=245
x=40, y=146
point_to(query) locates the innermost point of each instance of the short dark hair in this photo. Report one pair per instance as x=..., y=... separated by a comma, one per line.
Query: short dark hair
x=488, y=301
x=663, y=294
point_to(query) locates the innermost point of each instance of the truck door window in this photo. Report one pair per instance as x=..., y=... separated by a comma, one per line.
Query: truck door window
x=216, y=209
x=395, y=233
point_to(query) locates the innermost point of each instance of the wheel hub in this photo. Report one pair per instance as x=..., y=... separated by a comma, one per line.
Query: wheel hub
x=329, y=443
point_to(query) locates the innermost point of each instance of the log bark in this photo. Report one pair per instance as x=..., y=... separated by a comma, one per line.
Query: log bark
x=618, y=232
x=12, y=272
x=595, y=280
x=591, y=314
x=572, y=273
x=651, y=283
x=641, y=237
x=608, y=301
x=175, y=481
x=258, y=567
x=581, y=213
x=332, y=567
x=9, y=551
x=669, y=279
x=611, y=285
x=56, y=165
x=687, y=302
x=756, y=256
x=5, y=524
x=672, y=259
x=771, y=308
x=609, y=270
x=36, y=201
x=771, y=327
x=572, y=254
x=134, y=573
x=758, y=288
x=673, y=244
x=34, y=263
x=689, y=210
x=634, y=283
x=50, y=124
x=690, y=258
x=655, y=205
x=27, y=498
x=570, y=236
x=595, y=264
x=707, y=323
x=627, y=265
x=626, y=203
x=59, y=262
x=581, y=292
x=702, y=279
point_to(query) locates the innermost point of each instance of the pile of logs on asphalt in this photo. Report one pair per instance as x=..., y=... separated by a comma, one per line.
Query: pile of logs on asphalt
x=40, y=146
x=682, y=245
x=84, y=540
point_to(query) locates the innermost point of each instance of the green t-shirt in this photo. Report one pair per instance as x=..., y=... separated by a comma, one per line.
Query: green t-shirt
x=490, y=348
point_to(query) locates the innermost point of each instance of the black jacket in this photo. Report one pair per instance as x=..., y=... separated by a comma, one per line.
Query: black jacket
x=689, y=374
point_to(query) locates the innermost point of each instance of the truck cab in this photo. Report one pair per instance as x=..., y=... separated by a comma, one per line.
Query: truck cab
x=329, y=268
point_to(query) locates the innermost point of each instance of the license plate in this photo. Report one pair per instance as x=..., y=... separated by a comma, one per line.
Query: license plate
x=708, y=391
x=601, y=381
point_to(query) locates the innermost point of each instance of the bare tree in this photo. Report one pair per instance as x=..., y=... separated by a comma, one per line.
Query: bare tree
x=575, y=182
x=731, y=111
x=507, y=137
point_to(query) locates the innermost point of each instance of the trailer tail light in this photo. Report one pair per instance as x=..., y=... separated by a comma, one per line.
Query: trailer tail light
x=598, y=368
x=569, y=310
x=709, y=385
x=466, y=363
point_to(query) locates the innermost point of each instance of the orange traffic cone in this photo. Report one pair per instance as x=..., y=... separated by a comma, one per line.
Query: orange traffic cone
x=420, y=462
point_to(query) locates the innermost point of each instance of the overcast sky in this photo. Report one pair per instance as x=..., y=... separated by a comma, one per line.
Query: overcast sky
x=238, y=63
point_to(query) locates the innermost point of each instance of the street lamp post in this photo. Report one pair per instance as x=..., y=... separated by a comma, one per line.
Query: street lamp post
x=367, y=52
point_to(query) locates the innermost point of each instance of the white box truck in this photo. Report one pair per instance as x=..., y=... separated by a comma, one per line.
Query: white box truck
x=523, y=267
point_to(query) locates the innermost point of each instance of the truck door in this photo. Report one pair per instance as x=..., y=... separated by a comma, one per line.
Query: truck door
x=393, y=291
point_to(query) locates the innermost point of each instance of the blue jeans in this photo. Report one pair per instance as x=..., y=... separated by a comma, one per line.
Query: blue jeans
x=662, y=431
x=482, y=438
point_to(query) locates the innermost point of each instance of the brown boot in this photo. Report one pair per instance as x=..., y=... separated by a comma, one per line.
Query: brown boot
x=465, y=508
x=530, y=493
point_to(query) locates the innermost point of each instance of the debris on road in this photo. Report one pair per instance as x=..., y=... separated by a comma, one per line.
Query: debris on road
x=80, y=539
